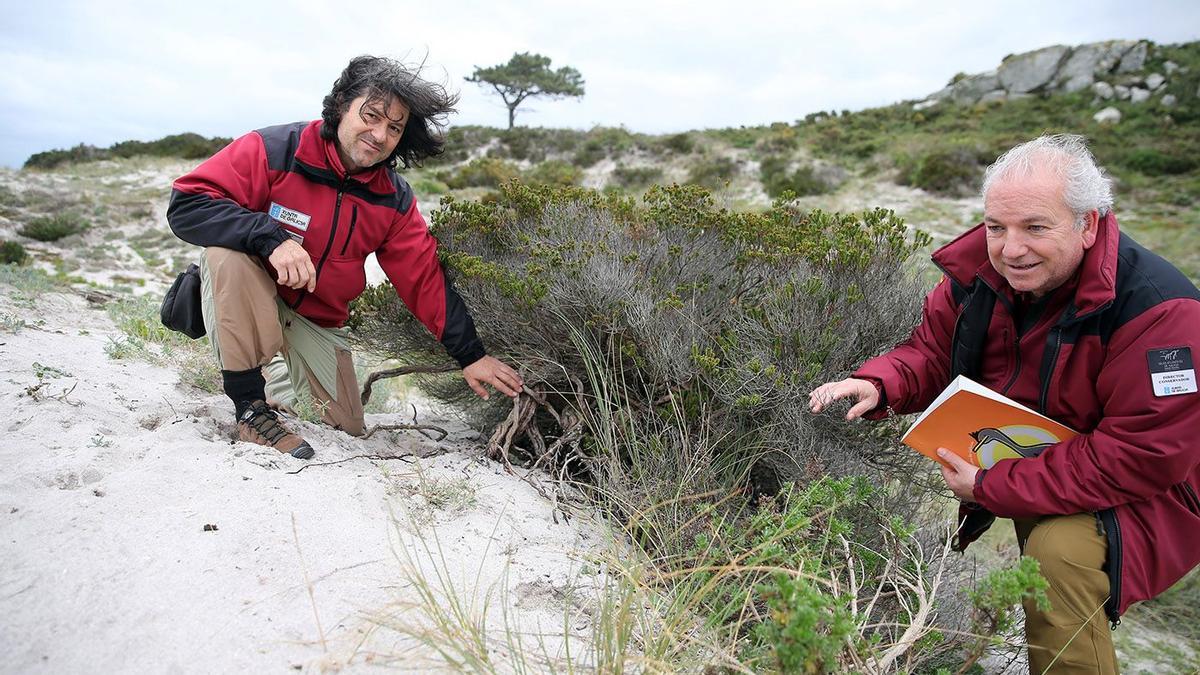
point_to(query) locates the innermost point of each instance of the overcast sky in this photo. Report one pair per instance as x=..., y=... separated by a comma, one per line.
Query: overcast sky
x=101, y=72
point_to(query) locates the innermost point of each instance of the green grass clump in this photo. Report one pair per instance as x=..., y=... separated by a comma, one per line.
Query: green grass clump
x=53, y=228
x=29, y=282
x=146, y=339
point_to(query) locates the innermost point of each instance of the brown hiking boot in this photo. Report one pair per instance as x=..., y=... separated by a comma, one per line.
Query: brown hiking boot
x=259, y=424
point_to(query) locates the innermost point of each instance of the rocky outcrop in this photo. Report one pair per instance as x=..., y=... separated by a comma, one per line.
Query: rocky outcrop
x=1114, y=69
x=1031, y=71
x=1079, y=71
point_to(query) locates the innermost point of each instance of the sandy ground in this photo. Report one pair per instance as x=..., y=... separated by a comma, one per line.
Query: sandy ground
x=138, y=537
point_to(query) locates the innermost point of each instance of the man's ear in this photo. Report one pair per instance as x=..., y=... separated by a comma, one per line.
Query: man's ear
x=1091, y=228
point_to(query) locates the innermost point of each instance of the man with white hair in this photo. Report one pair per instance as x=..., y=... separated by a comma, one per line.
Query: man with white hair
x=1048, y=303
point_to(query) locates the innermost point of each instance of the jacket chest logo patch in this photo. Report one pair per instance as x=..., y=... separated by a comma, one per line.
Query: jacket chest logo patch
x=1171, y=371
x=288, y=216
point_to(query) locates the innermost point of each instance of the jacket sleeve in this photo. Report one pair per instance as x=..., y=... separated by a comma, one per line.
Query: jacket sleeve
x=916, y=370
x=409, y=258
x=223, y=201
x=1142, y=445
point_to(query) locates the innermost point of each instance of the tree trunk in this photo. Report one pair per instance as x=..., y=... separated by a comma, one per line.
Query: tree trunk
x=512, y=115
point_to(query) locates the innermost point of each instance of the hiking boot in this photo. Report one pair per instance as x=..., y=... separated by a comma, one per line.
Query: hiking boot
x=259, y=424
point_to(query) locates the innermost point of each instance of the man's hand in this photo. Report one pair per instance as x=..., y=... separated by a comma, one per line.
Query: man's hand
x=294, y=265
x=959, y=475
x=490, y=370
x=865, y=394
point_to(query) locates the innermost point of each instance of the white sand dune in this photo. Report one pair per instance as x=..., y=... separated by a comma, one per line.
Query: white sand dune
x=113, y=473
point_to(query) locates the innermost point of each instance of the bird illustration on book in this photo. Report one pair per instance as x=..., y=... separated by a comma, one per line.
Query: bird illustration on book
x=1010, y=442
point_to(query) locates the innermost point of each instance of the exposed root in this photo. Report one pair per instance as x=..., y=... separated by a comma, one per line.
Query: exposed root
x=412, y=427
x=397, y=372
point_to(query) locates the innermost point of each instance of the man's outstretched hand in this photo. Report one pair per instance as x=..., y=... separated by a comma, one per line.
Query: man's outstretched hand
x=865, y=395
x=491, y=371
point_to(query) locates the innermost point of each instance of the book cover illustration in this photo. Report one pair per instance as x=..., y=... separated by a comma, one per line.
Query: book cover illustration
x=981, y=426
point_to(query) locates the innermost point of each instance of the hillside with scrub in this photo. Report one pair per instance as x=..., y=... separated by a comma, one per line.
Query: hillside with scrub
x=659, y=499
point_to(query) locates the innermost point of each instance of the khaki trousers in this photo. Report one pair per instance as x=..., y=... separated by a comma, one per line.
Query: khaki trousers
x=249, y=326
x=1073, y=636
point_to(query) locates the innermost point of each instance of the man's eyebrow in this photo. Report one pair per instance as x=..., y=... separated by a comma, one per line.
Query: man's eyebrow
x=374, y=108
x=1030, y=220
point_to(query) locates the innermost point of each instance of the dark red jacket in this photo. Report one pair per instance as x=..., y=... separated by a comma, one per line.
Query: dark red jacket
x=288, y=181
x=1085, y=363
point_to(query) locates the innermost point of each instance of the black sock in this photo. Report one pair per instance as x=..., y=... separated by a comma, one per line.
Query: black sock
x=244, y=387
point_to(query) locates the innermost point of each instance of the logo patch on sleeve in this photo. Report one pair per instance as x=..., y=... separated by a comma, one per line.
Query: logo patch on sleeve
x=1171, y=371
x=288, y=216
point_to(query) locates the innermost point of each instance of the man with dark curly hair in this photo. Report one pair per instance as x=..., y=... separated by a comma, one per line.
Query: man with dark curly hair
x=287, y=216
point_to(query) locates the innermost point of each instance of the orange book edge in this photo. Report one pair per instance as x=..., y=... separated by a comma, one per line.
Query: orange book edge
x=981, y=426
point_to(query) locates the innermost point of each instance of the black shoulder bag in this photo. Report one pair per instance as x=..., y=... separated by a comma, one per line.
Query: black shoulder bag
x=180, y=309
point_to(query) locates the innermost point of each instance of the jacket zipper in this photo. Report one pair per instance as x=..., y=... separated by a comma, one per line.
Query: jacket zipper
x=1048, y=369
x=337, y=207
x=1112, y=531
x=350, y=234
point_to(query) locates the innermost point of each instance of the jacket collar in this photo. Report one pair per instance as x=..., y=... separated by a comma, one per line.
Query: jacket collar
x=965, y=259
x=321, y=155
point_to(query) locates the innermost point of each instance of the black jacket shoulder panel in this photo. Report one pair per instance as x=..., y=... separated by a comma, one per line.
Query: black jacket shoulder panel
x=281, y=142
x=399, y=200
x=404, y=193
x=1144, y=280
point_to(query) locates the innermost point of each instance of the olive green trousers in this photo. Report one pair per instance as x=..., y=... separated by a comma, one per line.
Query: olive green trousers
x=1073, y=636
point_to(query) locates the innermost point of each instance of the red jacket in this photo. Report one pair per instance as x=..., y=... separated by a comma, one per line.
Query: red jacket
x=287, y=181
x=1087, y=363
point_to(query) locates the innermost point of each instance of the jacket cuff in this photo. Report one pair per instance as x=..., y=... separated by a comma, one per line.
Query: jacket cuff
x=470, y=355
x=977, y=490
x=265, y=245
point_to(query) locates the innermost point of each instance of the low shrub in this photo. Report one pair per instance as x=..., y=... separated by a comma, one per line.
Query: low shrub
x=749, y=310
x=589, y=153
x=668, y=347
x=603, y=142
x=535, y=144
x=950, y=170
x=425, y=185
x=12, y=253
x=53, y=228
x=554, y=172
x=635, y=177
x=680, y=144
x=1155, y=162
x=778, y=180
x=781, y=138
x=483, y=172
x=713, y=173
